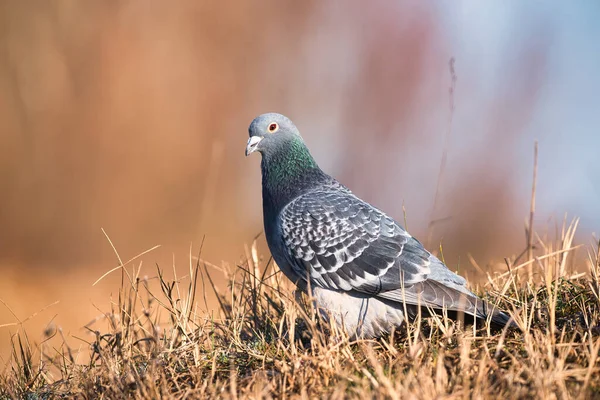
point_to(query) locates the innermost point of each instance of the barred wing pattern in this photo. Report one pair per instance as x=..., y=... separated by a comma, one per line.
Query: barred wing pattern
x=342, y=243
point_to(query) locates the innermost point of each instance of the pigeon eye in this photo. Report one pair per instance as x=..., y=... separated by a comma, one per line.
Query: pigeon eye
x=273, y=127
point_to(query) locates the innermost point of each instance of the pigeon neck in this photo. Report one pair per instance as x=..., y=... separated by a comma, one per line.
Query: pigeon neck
x=288, y=172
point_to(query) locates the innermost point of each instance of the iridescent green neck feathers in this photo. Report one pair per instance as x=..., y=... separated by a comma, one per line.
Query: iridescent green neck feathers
x=288, y=163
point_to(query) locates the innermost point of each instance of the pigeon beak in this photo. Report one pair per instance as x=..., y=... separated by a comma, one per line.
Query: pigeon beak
x=252, y=144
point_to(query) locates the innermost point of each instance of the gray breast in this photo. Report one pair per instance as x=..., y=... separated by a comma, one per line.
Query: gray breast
x=280, y=254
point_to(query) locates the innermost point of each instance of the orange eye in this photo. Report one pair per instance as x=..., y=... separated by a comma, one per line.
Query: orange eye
x=273, y=127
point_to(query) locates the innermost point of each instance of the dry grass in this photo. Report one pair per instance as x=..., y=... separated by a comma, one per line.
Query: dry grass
x=161, y=344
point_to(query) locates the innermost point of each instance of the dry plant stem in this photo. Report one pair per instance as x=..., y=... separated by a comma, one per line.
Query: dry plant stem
x=531, y=214
x=432, y=218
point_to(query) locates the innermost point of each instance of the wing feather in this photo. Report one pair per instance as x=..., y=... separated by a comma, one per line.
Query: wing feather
x=344, y=243
x=339, y=242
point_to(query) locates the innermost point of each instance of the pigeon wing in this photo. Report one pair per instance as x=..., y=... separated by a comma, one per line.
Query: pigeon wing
x=339, y=242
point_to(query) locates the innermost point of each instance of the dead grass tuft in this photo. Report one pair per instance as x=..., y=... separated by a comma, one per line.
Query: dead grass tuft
x=160, y=343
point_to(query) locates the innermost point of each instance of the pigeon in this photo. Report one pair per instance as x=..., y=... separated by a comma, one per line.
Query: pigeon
x=362, y=269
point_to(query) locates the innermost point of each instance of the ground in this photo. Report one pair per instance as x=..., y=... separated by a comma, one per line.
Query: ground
x=261, y=343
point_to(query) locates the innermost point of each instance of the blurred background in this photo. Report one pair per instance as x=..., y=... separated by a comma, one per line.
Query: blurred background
x=132, y=116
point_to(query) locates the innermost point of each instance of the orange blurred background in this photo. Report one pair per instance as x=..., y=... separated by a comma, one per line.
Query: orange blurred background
x=132, y=117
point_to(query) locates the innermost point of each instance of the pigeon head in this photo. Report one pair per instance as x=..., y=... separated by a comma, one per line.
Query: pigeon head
x=287, y=166
x=270, y=133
